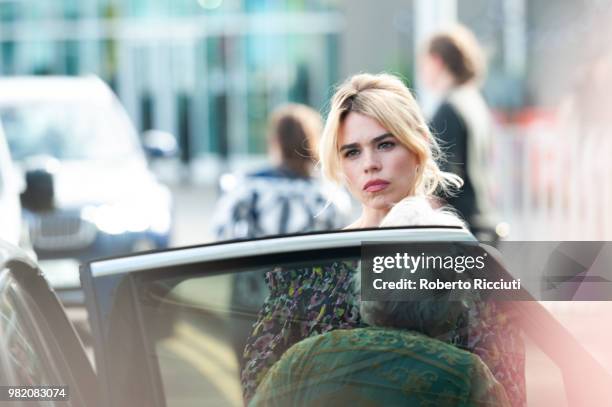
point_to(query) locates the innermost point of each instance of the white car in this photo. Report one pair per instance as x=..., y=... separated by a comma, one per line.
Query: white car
x=88, y=190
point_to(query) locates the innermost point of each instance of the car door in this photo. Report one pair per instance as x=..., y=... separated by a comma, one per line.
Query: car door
x=39, y=346
x=166, y=324
x=163, y=322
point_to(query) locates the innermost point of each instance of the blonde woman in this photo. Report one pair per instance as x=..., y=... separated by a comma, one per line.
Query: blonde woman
x=377, y=144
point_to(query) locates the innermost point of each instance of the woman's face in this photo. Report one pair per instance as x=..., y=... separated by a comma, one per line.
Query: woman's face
x=379, y=170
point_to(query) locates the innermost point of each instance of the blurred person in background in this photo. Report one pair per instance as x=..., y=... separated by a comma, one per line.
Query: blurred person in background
x=285, y=198
x=377, y=144
x=453, y=68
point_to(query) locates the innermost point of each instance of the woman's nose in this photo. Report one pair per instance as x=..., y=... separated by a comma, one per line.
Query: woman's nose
x=372, y=163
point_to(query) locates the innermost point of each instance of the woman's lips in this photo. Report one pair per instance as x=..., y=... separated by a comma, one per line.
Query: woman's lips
x=375, y=185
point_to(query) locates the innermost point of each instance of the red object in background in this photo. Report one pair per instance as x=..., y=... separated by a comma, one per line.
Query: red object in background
x=526, y=117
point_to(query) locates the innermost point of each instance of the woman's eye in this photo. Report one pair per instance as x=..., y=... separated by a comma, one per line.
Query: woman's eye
x=351, y=153
x=386, y=145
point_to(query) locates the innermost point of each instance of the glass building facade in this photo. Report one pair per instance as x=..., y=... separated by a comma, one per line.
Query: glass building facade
x=209, y=71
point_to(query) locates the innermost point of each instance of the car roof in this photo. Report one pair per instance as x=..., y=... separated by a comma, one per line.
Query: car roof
x=28, y=89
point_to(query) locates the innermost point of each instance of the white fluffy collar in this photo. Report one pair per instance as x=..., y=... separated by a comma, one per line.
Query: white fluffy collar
x=417, y=211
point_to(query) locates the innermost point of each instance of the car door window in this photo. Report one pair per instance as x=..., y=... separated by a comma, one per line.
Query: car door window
x=196, y=339
x=199, y=328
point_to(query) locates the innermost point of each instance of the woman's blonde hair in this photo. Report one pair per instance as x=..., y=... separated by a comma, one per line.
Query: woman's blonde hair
x=385, y=98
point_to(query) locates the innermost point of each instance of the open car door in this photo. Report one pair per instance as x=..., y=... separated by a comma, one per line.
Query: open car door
x=169, y=326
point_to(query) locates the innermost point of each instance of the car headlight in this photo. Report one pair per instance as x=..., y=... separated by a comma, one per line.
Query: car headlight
x=116, y=219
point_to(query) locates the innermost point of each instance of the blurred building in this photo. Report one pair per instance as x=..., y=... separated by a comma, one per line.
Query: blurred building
x=209, y=71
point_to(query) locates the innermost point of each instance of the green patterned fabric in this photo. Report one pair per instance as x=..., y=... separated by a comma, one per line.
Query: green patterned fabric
x=378, y=367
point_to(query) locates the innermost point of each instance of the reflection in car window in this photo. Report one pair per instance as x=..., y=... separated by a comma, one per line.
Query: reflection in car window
x=197, y=328
x=192, y=327
x=68, y=131
x=25, y=358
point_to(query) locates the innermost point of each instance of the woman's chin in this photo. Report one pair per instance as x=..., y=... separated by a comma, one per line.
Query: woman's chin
x=380, y=203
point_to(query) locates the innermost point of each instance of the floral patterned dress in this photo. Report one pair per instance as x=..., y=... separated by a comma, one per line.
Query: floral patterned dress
x=309, y=301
